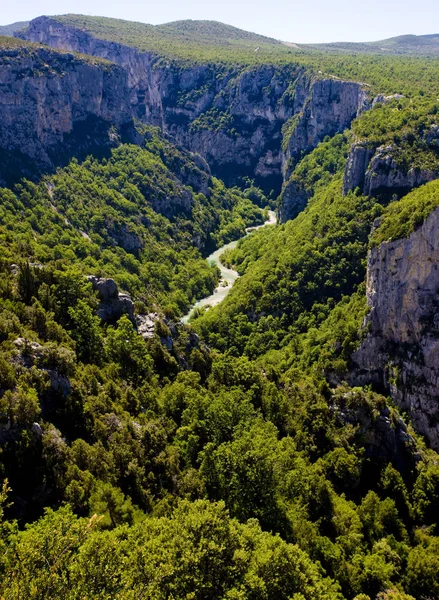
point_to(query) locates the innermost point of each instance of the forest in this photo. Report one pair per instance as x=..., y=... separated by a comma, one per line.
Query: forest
x=234, y=457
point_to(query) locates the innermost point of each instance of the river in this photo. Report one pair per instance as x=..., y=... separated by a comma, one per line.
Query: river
x=228, y=276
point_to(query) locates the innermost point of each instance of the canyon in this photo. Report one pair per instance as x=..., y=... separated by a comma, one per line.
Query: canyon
x=245, y=121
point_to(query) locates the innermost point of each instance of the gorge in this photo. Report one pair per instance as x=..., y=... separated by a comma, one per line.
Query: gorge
x=281, y=444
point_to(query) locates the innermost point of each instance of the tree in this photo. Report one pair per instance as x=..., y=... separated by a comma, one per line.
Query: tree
x=20, y=407
x=111, y=504
x=422, y=576
x=127, y=348
x=86, y=332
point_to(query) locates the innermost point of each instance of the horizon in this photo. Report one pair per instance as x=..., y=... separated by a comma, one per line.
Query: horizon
x=337, y=41
x=304, y=24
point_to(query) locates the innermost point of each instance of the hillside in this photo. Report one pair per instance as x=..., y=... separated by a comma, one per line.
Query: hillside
x=13, y=28
x=188, y=34
x=211, y=32
x=176, y=38
x=283, y=444
x=424, y=45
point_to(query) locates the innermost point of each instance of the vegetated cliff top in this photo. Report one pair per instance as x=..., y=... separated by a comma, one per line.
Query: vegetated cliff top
x=212, y=32
x=13, y=27
x=24, y=47
x=7, y=43
x=212, y=42
x=159, y=37
x=196, y=33
x=402, y=218
x=413, y=45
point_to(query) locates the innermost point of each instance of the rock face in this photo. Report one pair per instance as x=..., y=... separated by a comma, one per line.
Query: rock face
x=50, y=364
x=55, y=104
x=383, y=432
x=124, y=238
x=113, y=304
x=293, y=200
x=356, y=167
x=146, y=325
x=232, y=116
x=385, y=177
x=376, y=172
x=401, y=352
x=330, y=108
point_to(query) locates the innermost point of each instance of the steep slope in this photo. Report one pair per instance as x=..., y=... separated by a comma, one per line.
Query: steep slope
x=250, y=114
x=427, y=45
x=258, y=118
x=56, y=105
x=395, y=147
x=294, y=275
x=144, y=216
x=166, y=468
x=13, y=28
x=400, y=353
x=234, y=113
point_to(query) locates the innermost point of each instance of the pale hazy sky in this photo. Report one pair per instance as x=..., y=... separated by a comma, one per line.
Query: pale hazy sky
x=293, y=21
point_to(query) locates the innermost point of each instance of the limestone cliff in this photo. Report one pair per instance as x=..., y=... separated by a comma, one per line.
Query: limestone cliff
x=356, y=167
x=330, y=108
x=384, y=172
x=54, y=105
x=401, y=352
x=293, y=200
x=233, y=116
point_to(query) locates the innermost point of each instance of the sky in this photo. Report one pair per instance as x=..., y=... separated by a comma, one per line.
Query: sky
x=301, y=21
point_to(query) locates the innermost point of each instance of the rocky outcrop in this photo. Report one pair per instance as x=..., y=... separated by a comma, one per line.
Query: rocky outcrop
x=146, y=325
x=401, y=351
x=123, y=237
x=356, y=167
x=380, y=172
x=381, y=430
x=331, y=107
x=385, y=177
x=232, y=116
x=113, y=304
x=55, y=105
x=293, y=200
x=53, y=362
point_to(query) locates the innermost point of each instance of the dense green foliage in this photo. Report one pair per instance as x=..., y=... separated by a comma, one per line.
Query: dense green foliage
x=295, y=275
x=401, y=218
x=317, y=169
x=407, y=128
x=94, y=215
x=179, y=450
x=197, y=552
x=236, y=464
